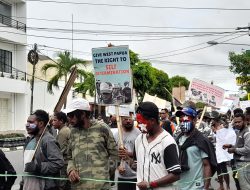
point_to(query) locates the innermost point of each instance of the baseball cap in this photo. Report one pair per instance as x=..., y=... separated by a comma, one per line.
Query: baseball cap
x=186, y=111
x=148, y=109
x=77, y=104
x=105, y=88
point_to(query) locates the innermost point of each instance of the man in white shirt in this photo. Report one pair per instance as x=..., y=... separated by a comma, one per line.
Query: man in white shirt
x=156, y=152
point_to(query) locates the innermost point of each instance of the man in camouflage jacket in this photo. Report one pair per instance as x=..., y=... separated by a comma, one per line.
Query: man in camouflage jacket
x=90, y=150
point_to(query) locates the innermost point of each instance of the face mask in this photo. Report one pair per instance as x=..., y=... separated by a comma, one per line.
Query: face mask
x=142, y=123
x=142, y=127
x=31, y=125
x=186, y=126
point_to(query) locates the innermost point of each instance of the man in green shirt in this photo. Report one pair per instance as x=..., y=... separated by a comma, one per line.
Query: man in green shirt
x=59, y=122
x=91, y=147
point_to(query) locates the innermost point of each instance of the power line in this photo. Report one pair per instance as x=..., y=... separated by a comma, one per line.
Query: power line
x=86, y=39
x=143, y=6
x=127, y=25
x=194, y=50
x=45, y=46
x=105, y=32
x=188, y=47
x=130, y=33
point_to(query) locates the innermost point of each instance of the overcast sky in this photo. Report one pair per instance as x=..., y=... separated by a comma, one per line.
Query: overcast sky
x=148, y=31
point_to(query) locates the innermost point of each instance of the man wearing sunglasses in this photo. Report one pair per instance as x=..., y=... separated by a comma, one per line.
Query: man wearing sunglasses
x=197, y=154
x=91, y=147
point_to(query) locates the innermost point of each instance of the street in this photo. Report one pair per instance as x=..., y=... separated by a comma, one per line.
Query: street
x=16, y=158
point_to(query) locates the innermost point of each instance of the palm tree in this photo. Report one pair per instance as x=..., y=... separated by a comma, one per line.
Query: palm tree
x=62, y=68
x=88, y=85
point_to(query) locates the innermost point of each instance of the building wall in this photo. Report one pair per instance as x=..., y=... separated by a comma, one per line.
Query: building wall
x=14, y=91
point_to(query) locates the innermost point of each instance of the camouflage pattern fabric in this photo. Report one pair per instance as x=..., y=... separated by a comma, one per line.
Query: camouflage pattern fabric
x=90, y=151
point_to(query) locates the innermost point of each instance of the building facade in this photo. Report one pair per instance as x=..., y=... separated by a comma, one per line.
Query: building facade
x=14, y=87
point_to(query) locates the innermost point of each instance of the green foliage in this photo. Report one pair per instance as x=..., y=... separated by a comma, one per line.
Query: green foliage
x=244, y=98
x=11, y=135
x=177, y=81
x=199, y=105
x=88, y=85
x=160, y=82
x=133, y=58
x=62, y=68
x=142, y=77
x=240, y=64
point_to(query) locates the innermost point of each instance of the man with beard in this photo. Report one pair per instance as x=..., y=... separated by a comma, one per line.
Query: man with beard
x=241, y=151
x=129, y=134
x=47, y=160
x=91, y=145
x=197, y=154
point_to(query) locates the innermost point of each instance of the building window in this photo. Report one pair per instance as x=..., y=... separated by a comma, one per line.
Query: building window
x=5, y=9
x=5, y=61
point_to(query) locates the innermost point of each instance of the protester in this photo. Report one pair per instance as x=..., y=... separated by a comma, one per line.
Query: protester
x=112, y=121
x=91, y=146
x=47, y=160
x=247, y=116
x=165, y=122
x=59, y=122
x=6, y=168
x=125, y=172
x=156, y=152
x=197, y=154
x=204, y=127
x=241, y=151
x=223, y=135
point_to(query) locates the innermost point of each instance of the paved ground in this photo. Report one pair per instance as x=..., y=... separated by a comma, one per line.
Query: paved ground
x=16, y=158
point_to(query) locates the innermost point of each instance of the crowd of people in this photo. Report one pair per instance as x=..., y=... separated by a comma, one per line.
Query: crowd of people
x=162, y=151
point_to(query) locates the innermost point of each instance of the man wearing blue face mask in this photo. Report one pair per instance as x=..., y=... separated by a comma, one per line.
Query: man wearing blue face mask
x=197, y=154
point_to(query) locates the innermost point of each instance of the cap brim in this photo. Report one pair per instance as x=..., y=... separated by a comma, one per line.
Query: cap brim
x=68, y=110
x=180, y=113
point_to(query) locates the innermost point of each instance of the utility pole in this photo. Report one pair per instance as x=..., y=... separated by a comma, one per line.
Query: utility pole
x=72, y=36
x=33, y=59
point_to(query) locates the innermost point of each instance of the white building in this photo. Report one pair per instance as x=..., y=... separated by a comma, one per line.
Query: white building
x=14, y=88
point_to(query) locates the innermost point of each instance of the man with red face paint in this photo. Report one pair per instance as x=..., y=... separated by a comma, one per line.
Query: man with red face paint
x=197, y=154
x=156, y=152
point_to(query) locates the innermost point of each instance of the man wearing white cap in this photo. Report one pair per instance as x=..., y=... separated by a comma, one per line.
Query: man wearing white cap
x=106, y=93
x=91, y=145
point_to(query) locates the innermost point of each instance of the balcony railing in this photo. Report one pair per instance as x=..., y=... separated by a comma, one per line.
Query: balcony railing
x=13, y=73
x=12, y=23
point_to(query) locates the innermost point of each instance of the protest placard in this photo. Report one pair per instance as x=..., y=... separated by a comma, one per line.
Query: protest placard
x=200, y=91
x=112, y=75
